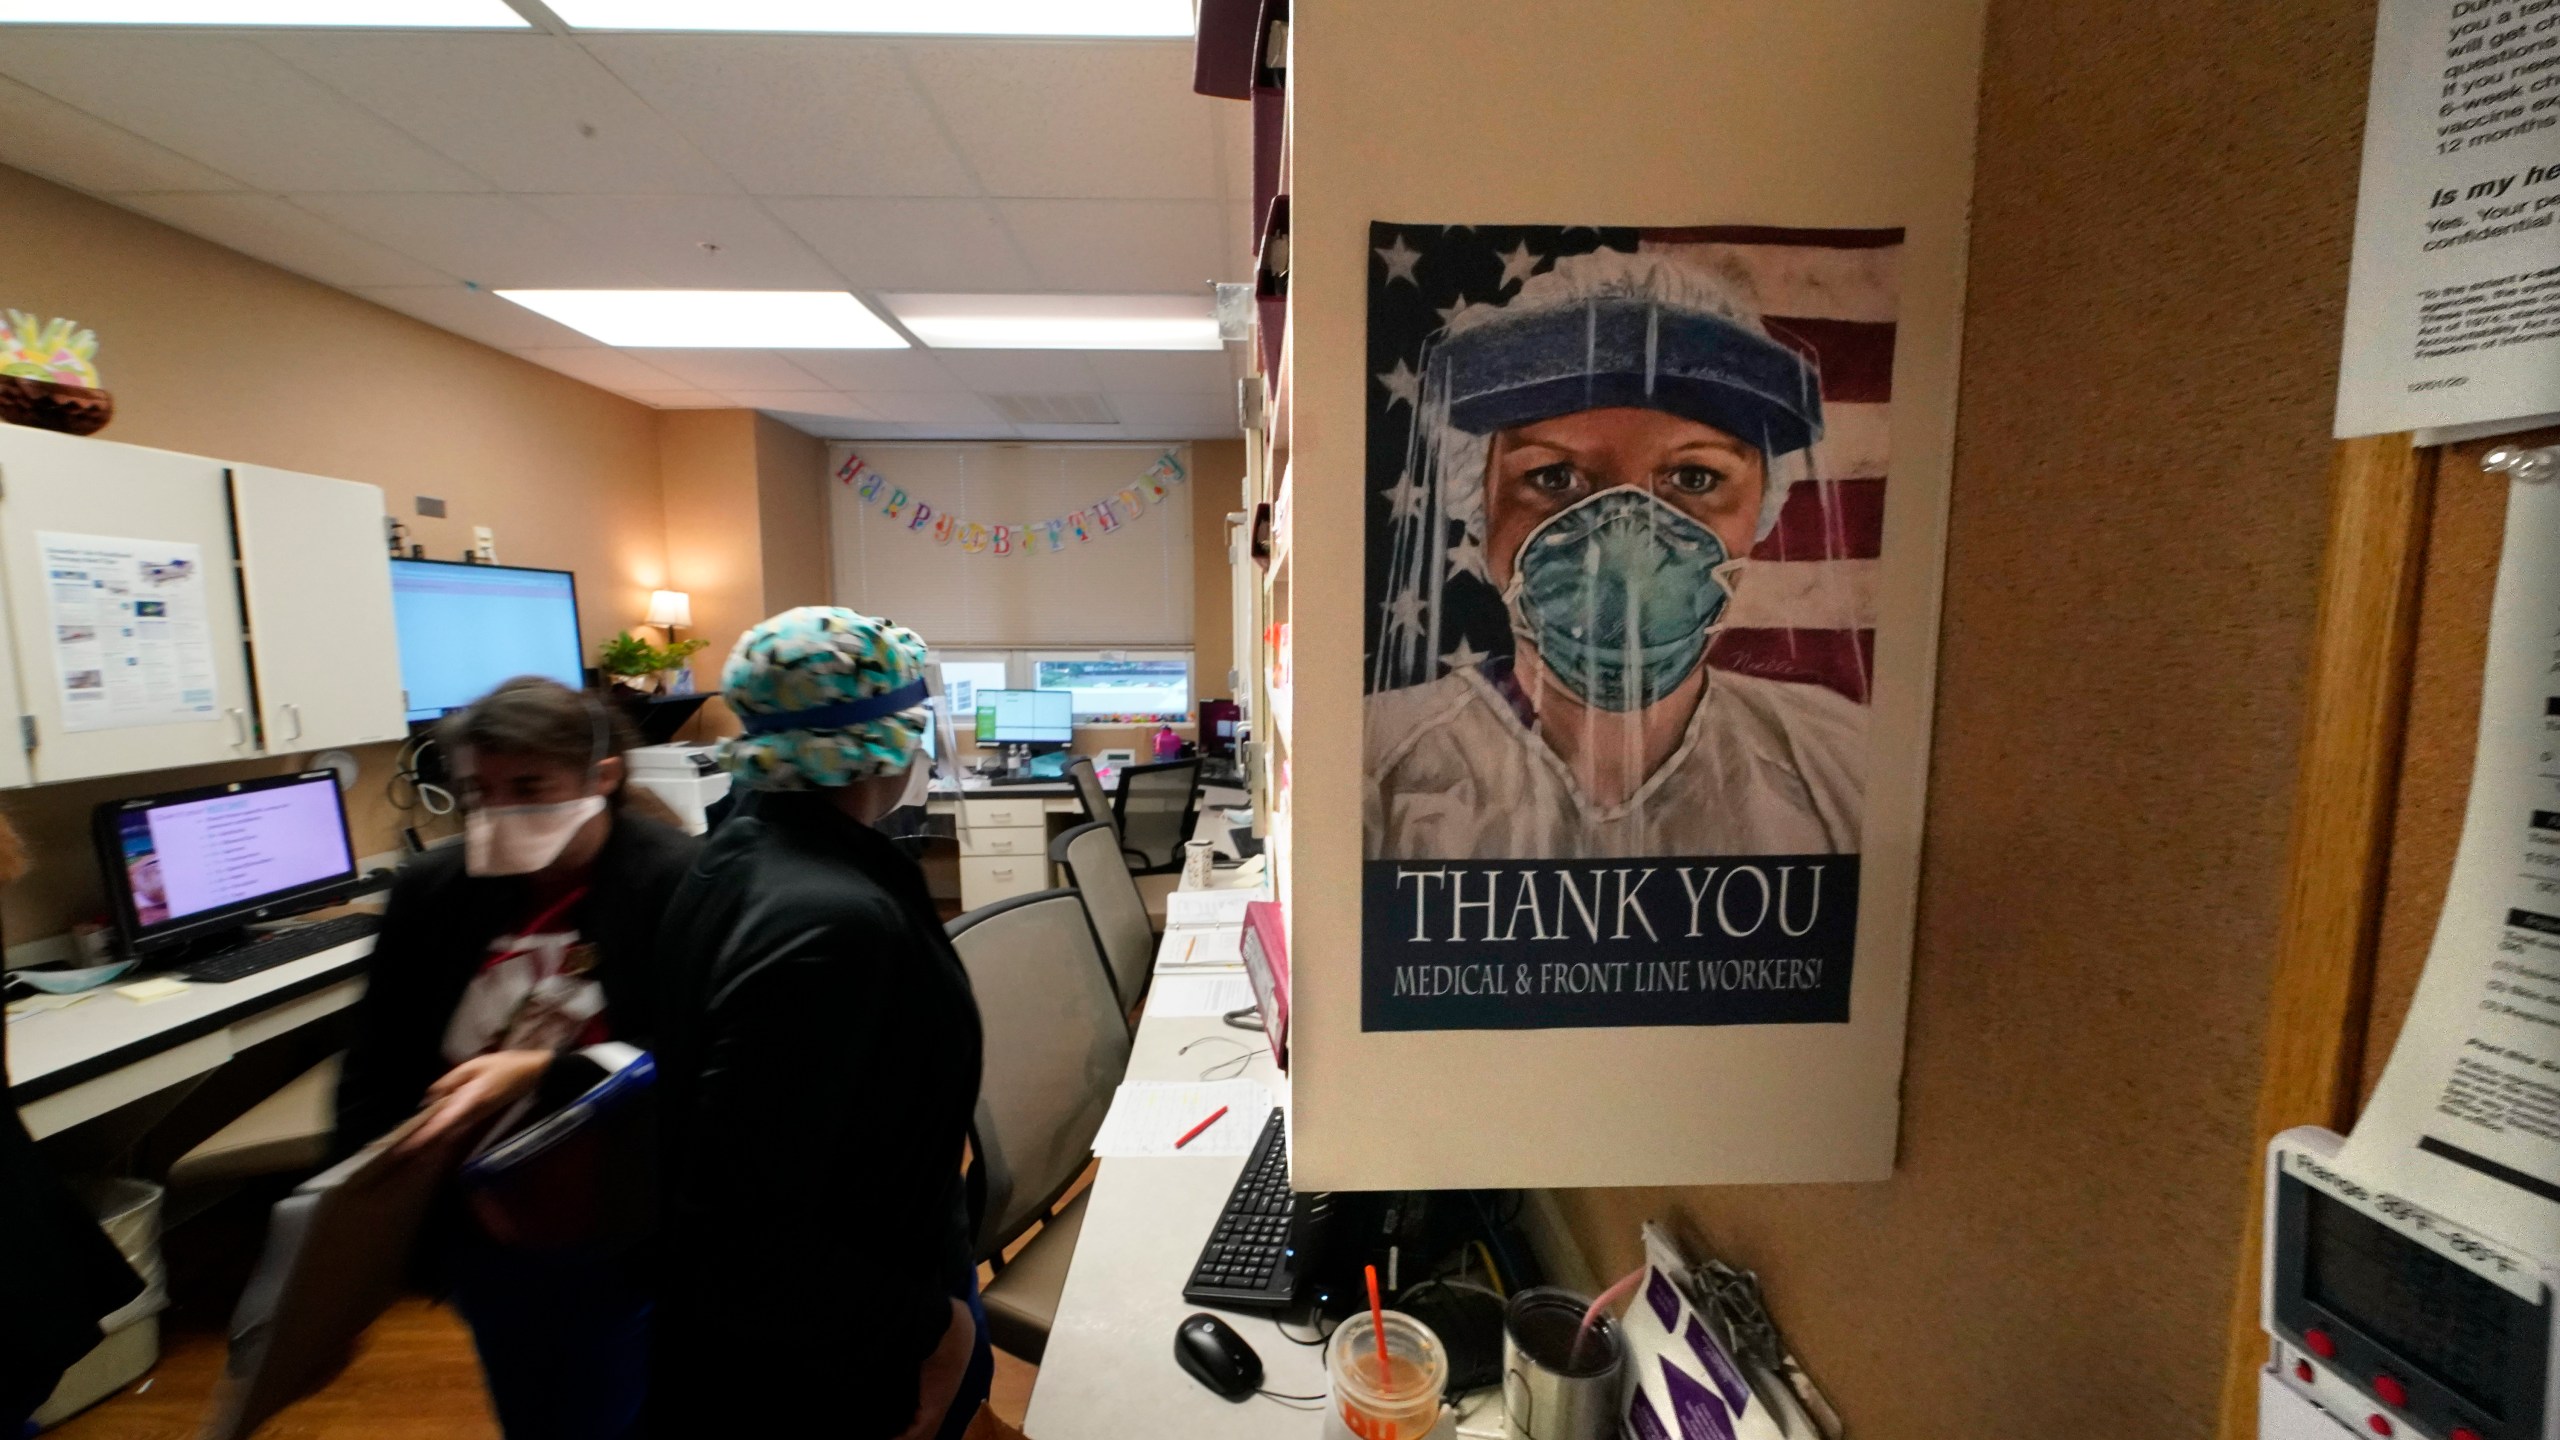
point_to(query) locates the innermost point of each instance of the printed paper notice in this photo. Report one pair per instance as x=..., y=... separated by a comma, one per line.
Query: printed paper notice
x=130, y=640
x=2453, y=303
x=2467, y=1118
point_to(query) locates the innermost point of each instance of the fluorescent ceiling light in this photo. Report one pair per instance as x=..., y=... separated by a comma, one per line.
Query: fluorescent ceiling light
x=1058, y=322
x=715, y=319
x=318, y=14
x=886, y=17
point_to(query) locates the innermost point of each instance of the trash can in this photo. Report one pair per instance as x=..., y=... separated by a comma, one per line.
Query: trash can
x=129, y=1211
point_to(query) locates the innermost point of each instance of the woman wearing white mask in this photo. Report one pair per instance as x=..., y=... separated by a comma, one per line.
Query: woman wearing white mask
x=530, y=939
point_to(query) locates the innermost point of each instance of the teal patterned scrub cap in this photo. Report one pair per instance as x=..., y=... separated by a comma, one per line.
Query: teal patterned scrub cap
x=827, y=696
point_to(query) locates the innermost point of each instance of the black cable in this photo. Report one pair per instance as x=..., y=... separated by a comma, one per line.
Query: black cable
x=1322, y=1334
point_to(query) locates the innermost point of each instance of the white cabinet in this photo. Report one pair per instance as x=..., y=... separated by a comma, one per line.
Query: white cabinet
x=128, y=653
x=316, y=575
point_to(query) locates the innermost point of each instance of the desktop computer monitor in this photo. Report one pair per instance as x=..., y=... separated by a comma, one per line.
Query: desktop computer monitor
x=1026, y=717
x=191, y=863
x=466, y=629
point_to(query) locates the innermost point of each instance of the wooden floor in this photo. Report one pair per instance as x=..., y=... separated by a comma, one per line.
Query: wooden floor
x=416, y=1377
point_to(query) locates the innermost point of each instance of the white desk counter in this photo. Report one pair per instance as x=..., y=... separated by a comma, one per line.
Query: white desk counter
x=1109, y=1370
x=77, y=1063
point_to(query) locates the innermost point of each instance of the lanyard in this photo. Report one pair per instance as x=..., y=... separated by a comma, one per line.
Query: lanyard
x=533, y=927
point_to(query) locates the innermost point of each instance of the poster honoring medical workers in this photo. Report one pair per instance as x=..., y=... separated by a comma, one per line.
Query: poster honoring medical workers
x=1626, y=515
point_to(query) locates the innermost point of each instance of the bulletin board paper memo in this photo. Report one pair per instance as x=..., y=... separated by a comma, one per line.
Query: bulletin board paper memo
x=130, y=641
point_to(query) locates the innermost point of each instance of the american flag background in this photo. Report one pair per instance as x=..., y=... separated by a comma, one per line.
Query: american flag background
x=1804, y=611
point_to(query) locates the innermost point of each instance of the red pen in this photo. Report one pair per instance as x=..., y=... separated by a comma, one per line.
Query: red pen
x=1194, y=1132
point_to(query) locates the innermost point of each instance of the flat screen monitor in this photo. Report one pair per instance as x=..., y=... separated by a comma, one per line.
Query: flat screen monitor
x=1026, y=717
x=466, y=629
x=191, y=862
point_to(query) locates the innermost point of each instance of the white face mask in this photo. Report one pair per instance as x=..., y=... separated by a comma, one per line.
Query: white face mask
x=520, y=839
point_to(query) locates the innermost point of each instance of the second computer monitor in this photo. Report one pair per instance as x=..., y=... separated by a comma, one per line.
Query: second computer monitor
x=1026, y=717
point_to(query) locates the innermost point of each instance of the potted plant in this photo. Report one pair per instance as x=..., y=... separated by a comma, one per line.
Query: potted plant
x=675, y=677
x=630, y=662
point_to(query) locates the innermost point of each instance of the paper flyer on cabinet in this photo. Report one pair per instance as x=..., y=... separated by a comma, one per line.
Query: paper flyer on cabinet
x=2467, y=1118
x=2453, y=298
x=130, y=645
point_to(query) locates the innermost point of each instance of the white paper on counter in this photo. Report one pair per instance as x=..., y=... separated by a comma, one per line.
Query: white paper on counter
x=1147, y=1116
x=1204, y=947
x=130, y=643
x=2466, y=1120
x=1185, y=908
x=1199, y=995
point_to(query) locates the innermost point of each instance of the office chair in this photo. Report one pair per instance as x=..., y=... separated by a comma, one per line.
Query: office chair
x=1089, y=791
x=1156, y=807
x=1100, y=873
x=1056, y=1044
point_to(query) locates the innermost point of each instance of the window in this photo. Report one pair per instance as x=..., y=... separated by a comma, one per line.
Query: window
x=1120, y=687
x=964, y=674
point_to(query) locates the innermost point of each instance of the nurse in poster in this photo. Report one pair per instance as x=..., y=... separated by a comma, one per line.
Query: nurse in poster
x=1626, y=504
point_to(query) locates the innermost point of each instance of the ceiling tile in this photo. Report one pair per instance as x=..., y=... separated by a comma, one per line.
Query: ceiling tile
x=664, y=235
x=1019, y=371
x=271, y=230
x=802, y=404
x=1083, y=432
x=230, y=105
x=955, y=430
x=1134, y=246
x=527, y=112
x=892, y=244
x=679, y=399
x=1178, y=417
x=934, y=410
x=611, y=369
x=477, y=315
x=793, y=115
x=499, y=241
x=730, y=370
x=1207, y=372
x=864, y=371
x=1042, y=118
x=46, y=137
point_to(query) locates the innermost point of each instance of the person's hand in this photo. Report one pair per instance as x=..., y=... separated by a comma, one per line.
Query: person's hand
x=943, y=1371
x=475, y=1092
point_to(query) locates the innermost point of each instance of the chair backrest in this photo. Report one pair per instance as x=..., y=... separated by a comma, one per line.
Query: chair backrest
x=1097, y=804
x=1100, y=873
x=1056, y=1044
x=1157, y=803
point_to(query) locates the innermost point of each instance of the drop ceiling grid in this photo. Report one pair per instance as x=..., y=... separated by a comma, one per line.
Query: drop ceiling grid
x=982, y=165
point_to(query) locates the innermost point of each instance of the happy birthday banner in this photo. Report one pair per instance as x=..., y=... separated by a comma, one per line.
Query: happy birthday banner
x=1102, y=517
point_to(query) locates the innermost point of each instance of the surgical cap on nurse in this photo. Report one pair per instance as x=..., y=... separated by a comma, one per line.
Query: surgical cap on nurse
x=826, y=696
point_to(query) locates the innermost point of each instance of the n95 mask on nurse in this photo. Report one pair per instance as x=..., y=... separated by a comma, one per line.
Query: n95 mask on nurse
x=1619, y=593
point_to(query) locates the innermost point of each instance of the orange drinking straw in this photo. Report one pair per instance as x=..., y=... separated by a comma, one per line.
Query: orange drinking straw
x=1378, y=1323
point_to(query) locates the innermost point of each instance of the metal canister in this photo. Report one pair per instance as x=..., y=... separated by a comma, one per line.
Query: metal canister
x=1559, y=1383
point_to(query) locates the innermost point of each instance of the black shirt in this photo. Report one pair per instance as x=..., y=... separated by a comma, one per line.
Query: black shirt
x=818, y=1069
x=435, y=936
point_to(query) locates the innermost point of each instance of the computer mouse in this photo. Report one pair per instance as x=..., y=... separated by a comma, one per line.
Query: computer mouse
x=1217, y=1356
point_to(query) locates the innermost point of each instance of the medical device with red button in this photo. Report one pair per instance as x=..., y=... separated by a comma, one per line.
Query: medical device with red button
x=2388, y=1319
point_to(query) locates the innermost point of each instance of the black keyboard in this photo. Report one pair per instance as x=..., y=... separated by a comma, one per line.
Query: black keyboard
x=242, y=961
x=1028, y=780
x=1252, y=1260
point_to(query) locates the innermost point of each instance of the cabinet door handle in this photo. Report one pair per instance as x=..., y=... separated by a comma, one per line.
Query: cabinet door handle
x=293, y=713
x=239, y=727
x=1004, y=874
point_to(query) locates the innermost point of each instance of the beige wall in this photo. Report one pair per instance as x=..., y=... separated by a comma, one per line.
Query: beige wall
x=210, y=352
x=1217, y=488
x=2150, y=352
x=791, y=499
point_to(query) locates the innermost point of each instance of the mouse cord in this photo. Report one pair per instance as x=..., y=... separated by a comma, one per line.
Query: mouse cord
x=1315, y=1403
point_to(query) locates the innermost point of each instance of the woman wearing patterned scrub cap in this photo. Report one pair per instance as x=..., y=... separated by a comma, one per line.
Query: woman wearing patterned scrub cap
x=1608, y=440
x=818, y=1068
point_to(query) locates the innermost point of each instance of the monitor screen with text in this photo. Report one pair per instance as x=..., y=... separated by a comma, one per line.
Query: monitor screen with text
x=198, y=856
